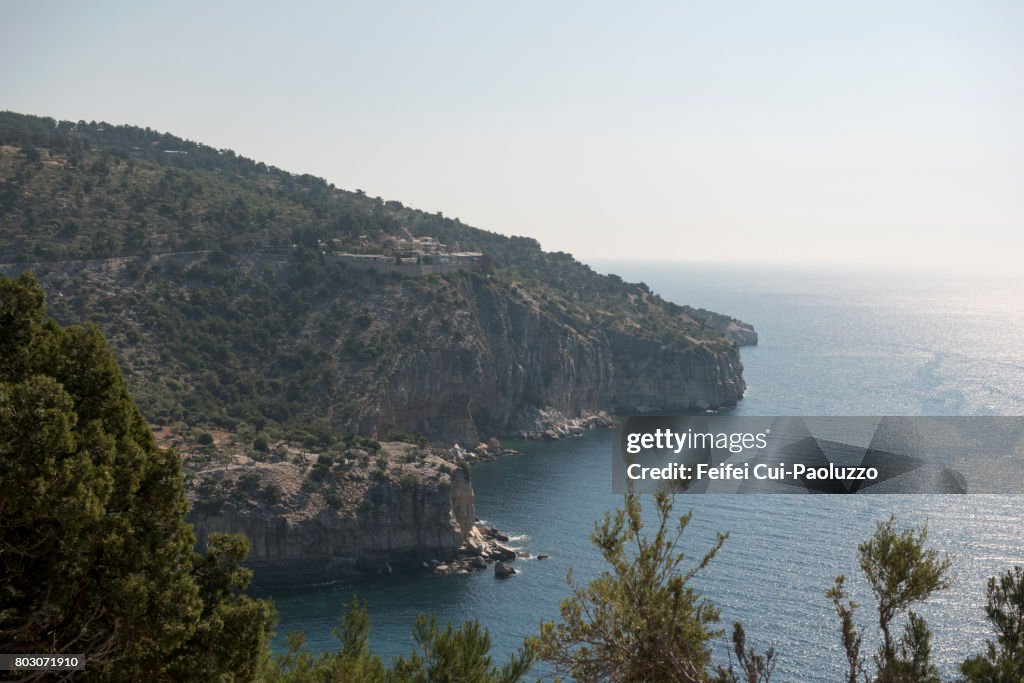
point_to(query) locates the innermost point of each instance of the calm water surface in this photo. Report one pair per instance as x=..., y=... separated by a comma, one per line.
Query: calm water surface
x=842, y=343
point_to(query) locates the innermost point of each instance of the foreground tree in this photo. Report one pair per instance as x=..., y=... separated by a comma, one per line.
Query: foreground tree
x=1003, y=662
x=94, y=549
x=353, y=660
x=641, y=620
x=445, y=655
x=901, y=571
x=453, y=655
x=230, y=639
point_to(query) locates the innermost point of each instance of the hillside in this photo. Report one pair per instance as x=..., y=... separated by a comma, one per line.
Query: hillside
x=218, y=281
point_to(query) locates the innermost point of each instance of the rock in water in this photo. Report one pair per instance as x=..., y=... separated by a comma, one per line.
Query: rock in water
x=502, y=570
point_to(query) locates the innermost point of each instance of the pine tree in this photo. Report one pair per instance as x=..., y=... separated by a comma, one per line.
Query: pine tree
x=1003, y=661
x=95, y=553
x=901, y=572
x=641, y=620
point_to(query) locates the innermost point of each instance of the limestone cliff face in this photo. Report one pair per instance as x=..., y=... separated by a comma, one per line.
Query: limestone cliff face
x=308, y=523
x=651, y=377
x=515, y=358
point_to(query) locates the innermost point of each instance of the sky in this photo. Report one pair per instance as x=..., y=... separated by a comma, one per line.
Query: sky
x=784, y=132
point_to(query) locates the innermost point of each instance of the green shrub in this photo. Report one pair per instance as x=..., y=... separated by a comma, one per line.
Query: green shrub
x=272, y=493
x=209, y=506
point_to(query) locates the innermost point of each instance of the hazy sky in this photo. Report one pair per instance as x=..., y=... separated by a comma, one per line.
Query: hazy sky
x=712, y=131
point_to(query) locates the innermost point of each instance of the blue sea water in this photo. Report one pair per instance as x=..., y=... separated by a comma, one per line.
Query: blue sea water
x=831, y=343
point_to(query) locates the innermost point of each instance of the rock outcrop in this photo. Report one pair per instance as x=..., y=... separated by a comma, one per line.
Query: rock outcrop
x=483, y=545
x=502, y=570
x=309, y=520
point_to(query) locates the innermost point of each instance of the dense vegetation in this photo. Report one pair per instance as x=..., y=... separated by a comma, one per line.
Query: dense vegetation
x=209, y=273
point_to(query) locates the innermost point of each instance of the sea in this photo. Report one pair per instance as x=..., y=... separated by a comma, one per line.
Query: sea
x=832, y=342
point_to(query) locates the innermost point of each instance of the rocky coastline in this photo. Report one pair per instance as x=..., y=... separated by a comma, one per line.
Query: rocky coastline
x=242, y=328
x=545, y=424
x=376, y=510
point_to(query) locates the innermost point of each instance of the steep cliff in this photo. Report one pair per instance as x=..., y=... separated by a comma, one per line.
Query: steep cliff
x=311, y=519
x=517, y=357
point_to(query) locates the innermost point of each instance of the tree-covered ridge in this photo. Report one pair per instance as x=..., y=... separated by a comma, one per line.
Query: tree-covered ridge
x=143, y=190
x=72, y=191
x=210, y=275
x=98, y=191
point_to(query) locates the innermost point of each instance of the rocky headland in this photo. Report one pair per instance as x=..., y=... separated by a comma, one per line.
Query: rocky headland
x=373, y=509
